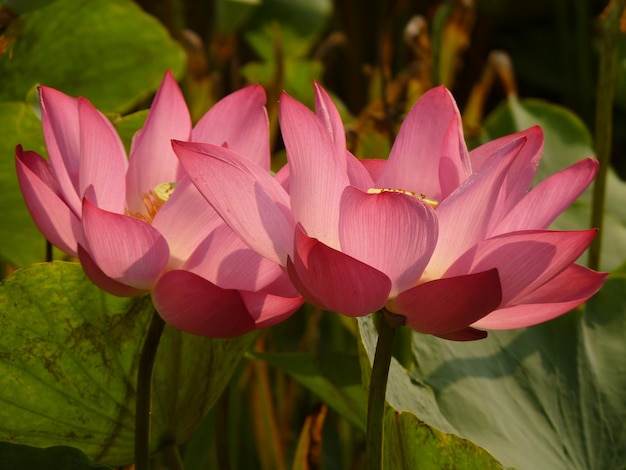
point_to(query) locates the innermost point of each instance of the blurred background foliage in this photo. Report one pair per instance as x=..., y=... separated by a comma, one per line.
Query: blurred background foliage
x=297, y=401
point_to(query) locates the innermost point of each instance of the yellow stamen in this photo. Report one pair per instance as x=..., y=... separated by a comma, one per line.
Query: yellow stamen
x=431, y=202
x=153, y=200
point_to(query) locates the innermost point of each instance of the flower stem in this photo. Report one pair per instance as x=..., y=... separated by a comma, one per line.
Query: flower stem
x=144, y=393
x=378, y=386
x=607, y=73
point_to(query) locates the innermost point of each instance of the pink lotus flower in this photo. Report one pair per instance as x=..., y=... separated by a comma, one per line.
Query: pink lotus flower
x=116, y=214
x=448, y=239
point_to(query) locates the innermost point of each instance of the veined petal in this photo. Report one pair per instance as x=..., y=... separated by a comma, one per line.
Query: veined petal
x=317, y=173
x=483, y=153
x=335, y=281
x=523, y=169
x=51, y=214
x=152, y=160
x=267, y=309
x=465, y=216
x=185, y=220
x=574, y=286
x=547, y=200
x=414, y=159
x=100, y=279
x=245, y=195
x=225, y=260
x=192, y=304
x=103, y=159
x=329, y=115
x=359, y=171
x=454, y=164
x=392, y=232
x=239, y=120
x=374, y=167
x=447, y=305
x=126, y=249
x=61, y=129
x=525, y=260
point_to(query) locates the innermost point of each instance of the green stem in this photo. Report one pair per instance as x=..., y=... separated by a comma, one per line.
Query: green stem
x=378, y=386
x=144, y=393
x=607, y=73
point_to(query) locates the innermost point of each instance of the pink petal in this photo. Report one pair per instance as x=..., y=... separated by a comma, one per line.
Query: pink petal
x=335, y=281
x=267, y=309
x=104, y=282
x=193, y=304
x=318, y=173
x=359, y=173
x=61, y=129
x=51, y=214
x=445, y=306
x=572, y=287
x=103, y=159
x=539, y=208
x=454, y=165
x=394, y=233
x=185, y=220
x=465, y=216
x=239, y=120
x=282, y=177
x=414, y=159
x=126, y=249
x=245, y=195
x=329, y=115
x=522, y=170
x=374, y=167
x=525, y=260
x=152, y=160
x=482, y=154
x=225, y=260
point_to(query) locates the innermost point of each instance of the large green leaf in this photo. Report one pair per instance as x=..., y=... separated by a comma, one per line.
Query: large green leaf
x=567, y=140
x=13, y=457
x=68, y=358
x=109, y=51
x=21, y=243
x=550, y=396
x=24, y=6
x=417, y=433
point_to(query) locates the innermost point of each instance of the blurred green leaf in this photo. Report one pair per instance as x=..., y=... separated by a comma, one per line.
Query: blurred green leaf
x=298, y=77
x=21, y=243
x=334, y=377
x=550, y=396
x=13, y=457
x=127, y=126
x=567, y=141
x=24, y=6
x=301, y=24
x=231, y=14
x=118, y=61
x=417, y=434
x=68, y=358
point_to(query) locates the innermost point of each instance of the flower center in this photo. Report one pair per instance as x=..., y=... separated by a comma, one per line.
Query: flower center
x=431, y=202
x=153, y=200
